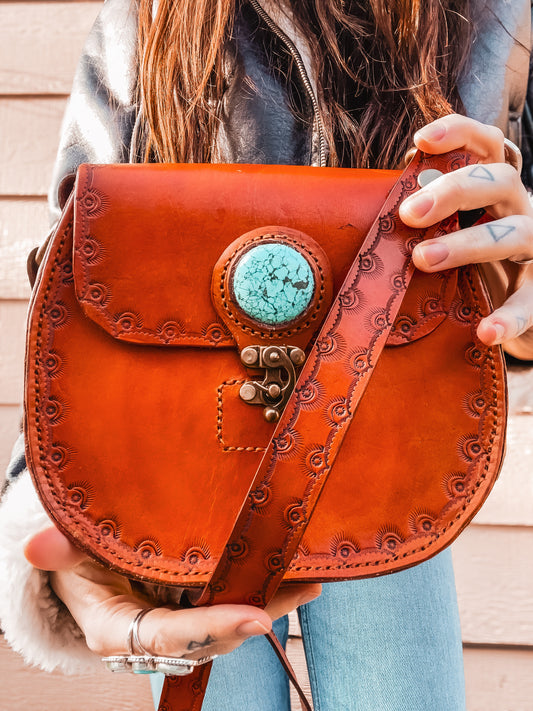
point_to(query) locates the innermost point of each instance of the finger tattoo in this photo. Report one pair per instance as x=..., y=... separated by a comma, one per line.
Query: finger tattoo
x=481, y=173
x=498, y=232
x=200, y=645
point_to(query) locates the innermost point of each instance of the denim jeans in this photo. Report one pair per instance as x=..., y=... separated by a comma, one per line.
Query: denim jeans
x=383, y=644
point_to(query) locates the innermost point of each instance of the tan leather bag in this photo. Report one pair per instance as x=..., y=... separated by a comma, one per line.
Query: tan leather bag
x=141, y=437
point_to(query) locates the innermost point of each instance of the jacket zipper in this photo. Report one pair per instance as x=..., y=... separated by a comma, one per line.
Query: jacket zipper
x=291, y=47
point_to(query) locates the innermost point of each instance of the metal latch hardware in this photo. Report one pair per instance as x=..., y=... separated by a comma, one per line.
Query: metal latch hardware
x=274, y=390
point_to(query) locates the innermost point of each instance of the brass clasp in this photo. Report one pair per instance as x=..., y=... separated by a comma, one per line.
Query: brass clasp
x=273, y=392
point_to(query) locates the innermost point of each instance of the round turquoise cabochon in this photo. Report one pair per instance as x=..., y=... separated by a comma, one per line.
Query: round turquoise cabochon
x=273, y=283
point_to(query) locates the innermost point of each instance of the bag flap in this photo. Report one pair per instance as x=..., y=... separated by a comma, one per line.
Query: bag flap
x=147, y=237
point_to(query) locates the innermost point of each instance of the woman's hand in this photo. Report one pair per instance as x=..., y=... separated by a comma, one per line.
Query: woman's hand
x=496, y=186
x=104, y=604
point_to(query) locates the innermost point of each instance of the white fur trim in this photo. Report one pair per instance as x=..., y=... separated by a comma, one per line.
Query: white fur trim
x=35, y=623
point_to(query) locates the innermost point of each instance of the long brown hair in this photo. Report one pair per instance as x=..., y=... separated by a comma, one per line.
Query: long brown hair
x=384, y=67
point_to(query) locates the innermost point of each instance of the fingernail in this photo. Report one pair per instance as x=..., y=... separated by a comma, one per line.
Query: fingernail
x=419, y=205
x=251, y=628
x=431, y=133
x=433, y=254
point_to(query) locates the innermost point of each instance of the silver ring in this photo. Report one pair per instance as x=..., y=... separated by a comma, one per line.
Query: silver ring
x=512, y=153
x=148, y=664
x=133, y=632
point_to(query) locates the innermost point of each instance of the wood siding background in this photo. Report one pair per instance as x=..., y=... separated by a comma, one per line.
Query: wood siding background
x=39, y=46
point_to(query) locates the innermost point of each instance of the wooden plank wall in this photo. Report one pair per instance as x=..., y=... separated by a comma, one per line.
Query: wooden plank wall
x=39, y=44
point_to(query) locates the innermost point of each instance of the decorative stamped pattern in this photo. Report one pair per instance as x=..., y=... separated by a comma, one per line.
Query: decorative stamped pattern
x=94, y=202
x=238, y=550
x=389, y=539
x=311, y=395
x=109, y=528
x=260, y=498
x=196, y=553
x=469, y=447
x=475, y=403
x=474, y=355
x=58, y=314
x=60, y=455
x=287, y=443
x=337, y=412
x=53, y=364
x=343, y=546
x=294, y=514
x=148, y=549
x=421, y=313
x=55, y=411
x=422, y=522
x=455, y=484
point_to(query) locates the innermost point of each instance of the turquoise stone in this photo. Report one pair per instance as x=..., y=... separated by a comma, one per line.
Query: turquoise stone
x=273, y=284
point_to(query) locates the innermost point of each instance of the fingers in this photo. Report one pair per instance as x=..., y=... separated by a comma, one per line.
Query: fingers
x=496, y=187
x=490, y=184
x=452, y=132
x=190, y=633
x=508, y=238
x=511, y=320
x=103, y=604
x=491, y=242
x=203, y=631
x=219, y=629
x=51, y=550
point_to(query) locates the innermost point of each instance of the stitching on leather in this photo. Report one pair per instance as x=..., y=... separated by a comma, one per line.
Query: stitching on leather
x=270, y=334
x=226, y=341
x=220, y=438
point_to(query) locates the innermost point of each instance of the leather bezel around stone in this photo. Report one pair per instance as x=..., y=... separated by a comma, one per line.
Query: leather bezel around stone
x=245, y=329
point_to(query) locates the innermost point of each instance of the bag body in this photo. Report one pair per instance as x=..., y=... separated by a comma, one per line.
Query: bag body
x=138, y=438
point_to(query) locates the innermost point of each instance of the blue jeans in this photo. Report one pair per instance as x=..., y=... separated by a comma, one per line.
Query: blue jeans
x=383, y=644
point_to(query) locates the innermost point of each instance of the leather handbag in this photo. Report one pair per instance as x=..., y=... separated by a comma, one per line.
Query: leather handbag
x=235, y=377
